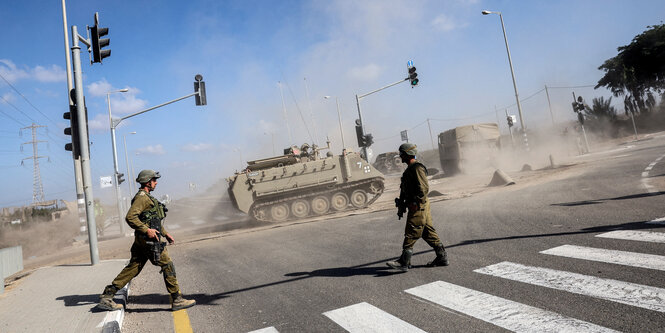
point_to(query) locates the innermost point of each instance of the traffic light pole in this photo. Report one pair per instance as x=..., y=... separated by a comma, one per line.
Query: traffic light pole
x=84, y=148
x=80, y=201
x=360, y=116
x=115, y=171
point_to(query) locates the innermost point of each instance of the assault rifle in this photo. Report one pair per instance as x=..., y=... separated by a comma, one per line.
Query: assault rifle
x=156, y=245
x=401, y=207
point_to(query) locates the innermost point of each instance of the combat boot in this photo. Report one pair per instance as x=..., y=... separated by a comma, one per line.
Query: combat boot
x=404, y=261
x=441, y=257
x=106, y=299
x=178, y=302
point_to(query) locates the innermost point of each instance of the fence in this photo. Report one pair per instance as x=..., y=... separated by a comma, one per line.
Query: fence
x=11, y=261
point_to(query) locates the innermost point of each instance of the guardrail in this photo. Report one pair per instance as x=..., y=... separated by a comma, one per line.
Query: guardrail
x=11, y=261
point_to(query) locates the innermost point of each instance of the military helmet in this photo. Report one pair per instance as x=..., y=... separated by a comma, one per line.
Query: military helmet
x=408, y=149
x=146, y=175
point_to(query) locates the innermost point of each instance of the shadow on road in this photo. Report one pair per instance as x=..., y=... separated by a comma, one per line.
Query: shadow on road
x=605, y=228
x=597, y=201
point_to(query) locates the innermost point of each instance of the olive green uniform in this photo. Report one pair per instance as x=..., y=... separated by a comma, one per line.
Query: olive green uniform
x=144, y=202
x=413, y=190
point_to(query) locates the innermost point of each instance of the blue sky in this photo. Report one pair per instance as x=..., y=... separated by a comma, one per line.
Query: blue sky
x=246, y=49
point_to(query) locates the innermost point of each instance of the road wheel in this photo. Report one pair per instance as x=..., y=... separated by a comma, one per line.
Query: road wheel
x=358, y=198
x=300, y=208
x=339, y=201
x=279, y=212
x=320, y=205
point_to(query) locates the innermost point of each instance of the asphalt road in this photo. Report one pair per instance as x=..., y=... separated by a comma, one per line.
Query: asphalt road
x=330, y=275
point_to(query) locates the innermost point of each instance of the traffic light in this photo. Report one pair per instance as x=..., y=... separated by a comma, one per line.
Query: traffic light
x=413, y=76
x=369, y=140
x=359, y=134
x=510, y=121
x=97, y=44
x=73, y=129
x=120, y=179
x=200, y=89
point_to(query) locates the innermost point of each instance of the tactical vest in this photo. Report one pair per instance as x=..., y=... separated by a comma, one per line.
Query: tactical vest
x=156, y=211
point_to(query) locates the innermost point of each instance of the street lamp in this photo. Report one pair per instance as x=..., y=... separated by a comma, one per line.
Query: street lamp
x=129, y=171
x=512, y=72
x=339, y=118
x=115, y=159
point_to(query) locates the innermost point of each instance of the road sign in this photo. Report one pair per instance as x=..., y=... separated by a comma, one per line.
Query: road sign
x=106, y=181
x=405, y=136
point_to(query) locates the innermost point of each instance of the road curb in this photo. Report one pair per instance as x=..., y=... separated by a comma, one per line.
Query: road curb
x=112, y=323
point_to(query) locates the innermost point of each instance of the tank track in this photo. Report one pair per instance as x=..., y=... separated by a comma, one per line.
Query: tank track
x=259, y=210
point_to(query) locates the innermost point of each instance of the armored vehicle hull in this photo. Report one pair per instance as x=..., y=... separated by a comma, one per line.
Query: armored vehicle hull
x=293, y=187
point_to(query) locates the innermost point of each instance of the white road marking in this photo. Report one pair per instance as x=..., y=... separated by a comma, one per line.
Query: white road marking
x=633, y=259
x=499, y=311
x=173, y=226
x=645, y=175
x=366, y=318
x=660, y=220
x=633, y=294
x=635, y=235
x=270, y=329
x=197, y=222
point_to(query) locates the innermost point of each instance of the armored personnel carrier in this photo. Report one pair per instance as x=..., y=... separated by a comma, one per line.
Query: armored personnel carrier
x=301, y=183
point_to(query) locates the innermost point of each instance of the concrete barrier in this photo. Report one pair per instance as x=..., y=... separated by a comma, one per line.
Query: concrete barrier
x=500, y=178
x=11, y=261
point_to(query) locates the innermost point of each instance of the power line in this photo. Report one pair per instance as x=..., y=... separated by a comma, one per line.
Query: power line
x=33, y=106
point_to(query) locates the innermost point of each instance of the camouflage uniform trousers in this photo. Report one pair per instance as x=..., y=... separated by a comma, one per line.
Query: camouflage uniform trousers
x=419, y=225
x=140, y=255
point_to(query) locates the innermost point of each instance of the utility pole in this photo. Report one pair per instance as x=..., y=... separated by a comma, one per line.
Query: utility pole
x=311, y=114
x=78, y=179
x=431, y=137
x=549, y=104
x=37, y=188
x=286, y=119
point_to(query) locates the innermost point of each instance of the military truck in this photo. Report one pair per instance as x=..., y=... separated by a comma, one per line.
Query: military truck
x=468, y=147
x=389, y=162
x=301, y=183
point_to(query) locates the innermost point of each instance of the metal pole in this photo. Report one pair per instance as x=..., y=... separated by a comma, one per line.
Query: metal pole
x=118, y=195
x=634, y=127
x=84, y=149
x=550, y=105
x=586, y=142
x=512, y=73
x=80, y=201
x=431, y=137
x=377, y=90
x=129, y=175
x=360, y=120
x=339, y=118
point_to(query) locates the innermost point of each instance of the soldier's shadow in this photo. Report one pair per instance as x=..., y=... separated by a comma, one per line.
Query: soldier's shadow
x=163, y=299
x=347, y=272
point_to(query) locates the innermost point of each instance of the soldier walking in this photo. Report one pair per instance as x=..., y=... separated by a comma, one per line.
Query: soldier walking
x=413, y=195
x=145, y=217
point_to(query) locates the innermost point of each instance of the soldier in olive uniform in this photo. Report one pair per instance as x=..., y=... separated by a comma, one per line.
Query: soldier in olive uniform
x=413, y=195
x=145, y=208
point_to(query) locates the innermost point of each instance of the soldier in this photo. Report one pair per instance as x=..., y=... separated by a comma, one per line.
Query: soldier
x=144, y=210
x=413, y=195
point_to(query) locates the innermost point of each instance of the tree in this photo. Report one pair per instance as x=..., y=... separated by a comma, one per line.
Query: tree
x=638, y=71
x=601, y=109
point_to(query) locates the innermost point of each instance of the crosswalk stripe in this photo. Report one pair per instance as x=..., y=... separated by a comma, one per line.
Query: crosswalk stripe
x=643, y=260
x=644, y=236
x=660, y=220
x=270, y=329
x=633, y=294
x=499, y=311
x=366, y=318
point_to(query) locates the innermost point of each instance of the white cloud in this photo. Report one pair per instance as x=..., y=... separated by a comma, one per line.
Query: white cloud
x=8, y=97
x=99, y=124
x=445, y=23
x=366, y=73
x=99, y=88
x=50, y=74
x=12, y=73
x=152, y=150
x=193, y=147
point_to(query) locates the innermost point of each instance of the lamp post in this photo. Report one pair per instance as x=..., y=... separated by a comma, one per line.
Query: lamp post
x=512, y=73
x=115, y=159
x=339, y=118
x=129, y=171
